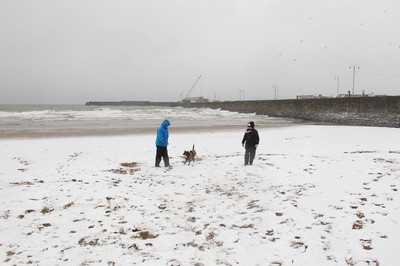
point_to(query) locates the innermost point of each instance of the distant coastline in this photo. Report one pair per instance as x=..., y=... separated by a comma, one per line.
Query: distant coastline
x=119, y=103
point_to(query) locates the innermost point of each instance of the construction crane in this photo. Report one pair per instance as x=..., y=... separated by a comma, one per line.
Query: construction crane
x=191, y=88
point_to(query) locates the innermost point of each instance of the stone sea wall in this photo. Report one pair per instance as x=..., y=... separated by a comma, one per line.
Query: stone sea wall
x=382, y=111
x=362, y=111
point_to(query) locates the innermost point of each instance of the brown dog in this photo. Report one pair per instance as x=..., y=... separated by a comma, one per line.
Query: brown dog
x=189, y=155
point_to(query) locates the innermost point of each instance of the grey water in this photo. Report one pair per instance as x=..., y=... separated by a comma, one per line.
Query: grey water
x=26, y=120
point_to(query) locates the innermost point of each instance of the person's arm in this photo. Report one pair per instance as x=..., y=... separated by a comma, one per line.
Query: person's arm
x=257, y=138
x=162, y=137
x=165, y=137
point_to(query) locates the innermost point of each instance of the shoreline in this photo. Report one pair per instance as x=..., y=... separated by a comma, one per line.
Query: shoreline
x=52, y=132
x=101, y=132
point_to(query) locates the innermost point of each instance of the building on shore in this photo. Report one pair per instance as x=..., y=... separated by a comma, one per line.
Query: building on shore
x=195, y=100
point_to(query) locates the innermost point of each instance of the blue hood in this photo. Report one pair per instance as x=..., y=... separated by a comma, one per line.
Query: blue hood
x=165, y=124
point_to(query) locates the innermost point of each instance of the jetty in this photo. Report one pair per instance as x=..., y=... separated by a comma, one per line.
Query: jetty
x=382, y=111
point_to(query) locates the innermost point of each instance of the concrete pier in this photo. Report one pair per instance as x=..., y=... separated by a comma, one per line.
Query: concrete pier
x=382, y=111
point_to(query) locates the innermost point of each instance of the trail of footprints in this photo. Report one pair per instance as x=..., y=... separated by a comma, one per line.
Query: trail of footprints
x=99, y=232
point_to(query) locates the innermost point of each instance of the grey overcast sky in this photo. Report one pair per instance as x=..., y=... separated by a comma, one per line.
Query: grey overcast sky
x=72, y=51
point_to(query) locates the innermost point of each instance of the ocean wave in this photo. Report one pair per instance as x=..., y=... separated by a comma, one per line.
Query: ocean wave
x=133, y=114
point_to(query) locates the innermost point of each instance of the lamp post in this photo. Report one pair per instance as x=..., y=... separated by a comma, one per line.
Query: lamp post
x=240, y=95
x=354, y=74
x=337, y=89
x=275, y=87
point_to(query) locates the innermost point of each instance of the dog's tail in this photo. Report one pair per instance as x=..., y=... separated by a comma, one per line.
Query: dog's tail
x=193, y=147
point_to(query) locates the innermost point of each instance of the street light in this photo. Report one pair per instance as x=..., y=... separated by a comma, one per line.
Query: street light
x=240, y=95
x=275, y=87
x=354, y=73
x=337, y=89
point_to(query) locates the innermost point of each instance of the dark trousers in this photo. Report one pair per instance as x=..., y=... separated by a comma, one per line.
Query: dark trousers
x=249, y=155
x=162, y=152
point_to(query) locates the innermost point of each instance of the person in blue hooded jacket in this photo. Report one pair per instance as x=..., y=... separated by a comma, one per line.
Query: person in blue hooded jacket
x=162, y=143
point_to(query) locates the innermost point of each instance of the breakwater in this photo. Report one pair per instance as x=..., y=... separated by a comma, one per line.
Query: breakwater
x=383, y=111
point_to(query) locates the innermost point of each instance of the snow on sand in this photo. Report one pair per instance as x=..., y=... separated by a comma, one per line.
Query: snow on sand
x=316, y=195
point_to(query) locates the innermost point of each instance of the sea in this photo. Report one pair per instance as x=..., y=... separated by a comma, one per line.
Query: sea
x=65, y=120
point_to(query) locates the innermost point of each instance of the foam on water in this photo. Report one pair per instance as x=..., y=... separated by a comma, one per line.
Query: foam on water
x=51, y=118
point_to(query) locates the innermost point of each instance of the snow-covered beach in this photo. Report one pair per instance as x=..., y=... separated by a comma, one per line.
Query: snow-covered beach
x=316, y=195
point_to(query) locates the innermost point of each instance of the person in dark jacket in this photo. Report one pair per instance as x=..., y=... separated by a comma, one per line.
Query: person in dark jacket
x=162, y=143
x=250, y=142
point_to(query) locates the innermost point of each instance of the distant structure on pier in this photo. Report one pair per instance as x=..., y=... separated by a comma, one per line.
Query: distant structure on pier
x=319, y=96
x=195, y=100
x=349, y=94
x=188, y=99
x=345, y=95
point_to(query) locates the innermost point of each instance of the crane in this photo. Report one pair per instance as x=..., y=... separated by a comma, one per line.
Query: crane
x=191, y=88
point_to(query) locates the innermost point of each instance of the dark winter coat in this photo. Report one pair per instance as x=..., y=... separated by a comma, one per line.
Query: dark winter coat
x=251, y=138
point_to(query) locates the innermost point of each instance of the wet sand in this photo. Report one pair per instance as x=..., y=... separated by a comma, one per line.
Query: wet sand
x=54, y=132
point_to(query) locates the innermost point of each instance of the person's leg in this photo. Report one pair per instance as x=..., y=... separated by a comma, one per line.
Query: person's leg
x=159, y=154
x=252, y=155
x=246, y=157
x=165, y=157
